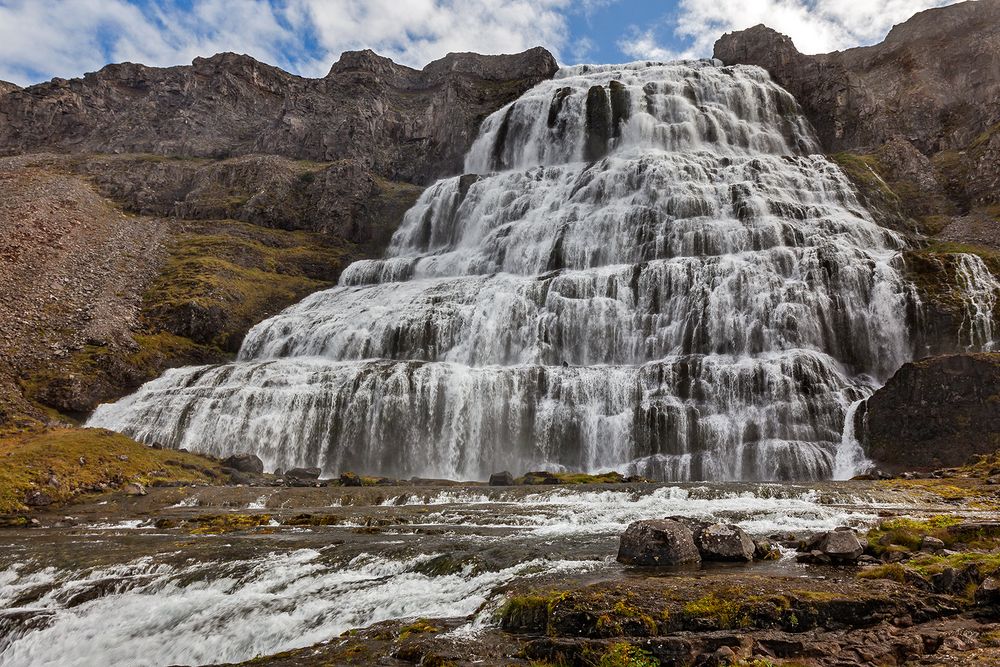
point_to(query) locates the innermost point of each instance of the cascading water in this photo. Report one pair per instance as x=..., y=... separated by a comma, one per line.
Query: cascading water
x=648, y=268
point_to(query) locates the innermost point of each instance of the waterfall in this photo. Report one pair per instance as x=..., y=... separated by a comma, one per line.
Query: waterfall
x=980, y=292
x=647, y=268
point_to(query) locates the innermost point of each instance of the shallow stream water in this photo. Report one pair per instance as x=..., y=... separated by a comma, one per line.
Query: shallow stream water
x=115, y=590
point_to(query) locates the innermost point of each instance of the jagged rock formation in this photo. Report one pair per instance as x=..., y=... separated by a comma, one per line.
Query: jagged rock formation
x=398, y=122
x=95, y=302
x=935, y=412
x=932, y=89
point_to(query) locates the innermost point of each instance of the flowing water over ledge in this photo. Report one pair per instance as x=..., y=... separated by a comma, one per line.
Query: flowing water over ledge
x=648, y=268
x=114, y=590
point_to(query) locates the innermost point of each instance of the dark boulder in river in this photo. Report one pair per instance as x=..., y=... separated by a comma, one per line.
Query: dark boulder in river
x=657, y=542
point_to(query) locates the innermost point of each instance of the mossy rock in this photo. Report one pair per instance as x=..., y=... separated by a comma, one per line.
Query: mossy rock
x=66, y=463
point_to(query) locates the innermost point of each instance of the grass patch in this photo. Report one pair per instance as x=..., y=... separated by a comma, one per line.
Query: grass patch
x=626, y=655
x=217, y=524
x=218, y=282
x=908, y=533
x=421, y=625
x=722, y=608
x=65, y=463
x=536, y=478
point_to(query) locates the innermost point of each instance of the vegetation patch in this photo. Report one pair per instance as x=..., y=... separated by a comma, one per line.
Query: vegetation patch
x=216, y=524
x=908, y=533
x=223, y=277
x=536, y=478
x=626, y=655
x=58, y=465
x=722, y=609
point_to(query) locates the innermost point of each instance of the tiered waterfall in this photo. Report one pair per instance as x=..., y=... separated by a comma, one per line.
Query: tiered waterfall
x=647, y=267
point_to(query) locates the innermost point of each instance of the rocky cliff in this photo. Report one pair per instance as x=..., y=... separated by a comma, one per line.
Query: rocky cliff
x=395, y=121
x=150, y=216
x=934, y=413
x=922, y=108
x=915, y=122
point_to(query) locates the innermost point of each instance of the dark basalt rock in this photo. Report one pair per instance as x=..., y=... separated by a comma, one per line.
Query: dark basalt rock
x=501, y=479
x=722, y=542
x=620, y=107
x=302, y=476
x=840, y=546
x=934, y=413
x=931, y=88
x=598, y=124
x=657, y=542
x=245, y=462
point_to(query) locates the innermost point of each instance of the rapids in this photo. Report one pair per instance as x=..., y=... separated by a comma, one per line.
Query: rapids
x=647, y=268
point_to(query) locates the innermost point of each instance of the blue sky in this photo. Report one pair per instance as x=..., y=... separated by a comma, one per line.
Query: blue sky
x=40, y=39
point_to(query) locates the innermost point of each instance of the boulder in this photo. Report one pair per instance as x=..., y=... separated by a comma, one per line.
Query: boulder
x=765, y=550
x=350, y=479
x=302, y=476
x=134, y=489
x=37, y=498
x=988, y=593
x=723, y=542
x=931, y=544
x=836, y=546
x=245, y=462
x=657, y=542
x=501, y=479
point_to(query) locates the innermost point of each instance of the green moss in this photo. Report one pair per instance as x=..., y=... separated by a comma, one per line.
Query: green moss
x=892, y=571
x=235, y=277
x=65, y=463
x=723, y=608
x=215, y=524
x=626, y=655
x=419, y=626
x=908, y=533
x=528, y=613
x=536, y=478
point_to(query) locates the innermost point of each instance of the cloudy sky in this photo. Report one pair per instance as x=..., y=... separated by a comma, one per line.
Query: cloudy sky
x=40, y=39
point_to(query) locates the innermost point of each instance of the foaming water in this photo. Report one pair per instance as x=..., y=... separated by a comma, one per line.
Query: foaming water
x=234, y=611
x=760, y=511
x=648, y=268
x=231, y=598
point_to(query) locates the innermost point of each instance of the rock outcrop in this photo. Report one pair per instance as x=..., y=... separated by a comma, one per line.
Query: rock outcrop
x=934, y=413
x=401, y=123
x=931, y=89
x=935, y=79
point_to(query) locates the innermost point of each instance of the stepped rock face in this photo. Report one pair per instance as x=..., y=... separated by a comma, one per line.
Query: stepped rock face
x=935, y=412
x=934, y=83
x=399, y=122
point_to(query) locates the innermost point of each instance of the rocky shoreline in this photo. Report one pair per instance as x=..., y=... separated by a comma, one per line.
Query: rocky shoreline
x=917, y=586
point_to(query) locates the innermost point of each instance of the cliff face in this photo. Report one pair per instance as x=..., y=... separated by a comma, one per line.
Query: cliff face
x=935, y=79
x=934, y=413
x=915, y=123
x=150, y=216
x=398, y=122
x=931, y=88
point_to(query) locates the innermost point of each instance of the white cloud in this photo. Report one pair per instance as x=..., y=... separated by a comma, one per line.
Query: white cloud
x=40, y=39
x=816, y=26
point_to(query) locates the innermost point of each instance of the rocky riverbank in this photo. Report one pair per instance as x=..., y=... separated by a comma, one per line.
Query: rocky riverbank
x=376, y=571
